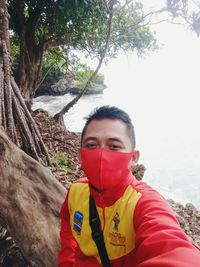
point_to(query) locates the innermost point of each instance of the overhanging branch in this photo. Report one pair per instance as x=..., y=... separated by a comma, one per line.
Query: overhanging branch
x=59, y=116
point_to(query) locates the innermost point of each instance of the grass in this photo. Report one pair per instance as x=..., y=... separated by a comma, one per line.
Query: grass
x=60, y=162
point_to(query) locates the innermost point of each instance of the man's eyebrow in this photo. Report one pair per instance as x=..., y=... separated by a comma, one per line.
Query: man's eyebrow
x=90, y=138
x=115, y=139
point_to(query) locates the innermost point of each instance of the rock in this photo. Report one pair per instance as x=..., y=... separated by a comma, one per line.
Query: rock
x=190, y=208
x=138, y=171
x=60, y=86
x=65, y=85
x=188, y=217
x=171, y=201
x=181, y=220
x=54, y=91
x=97, y=89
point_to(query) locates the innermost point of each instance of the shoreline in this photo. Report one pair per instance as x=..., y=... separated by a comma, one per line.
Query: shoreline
x=97, y=89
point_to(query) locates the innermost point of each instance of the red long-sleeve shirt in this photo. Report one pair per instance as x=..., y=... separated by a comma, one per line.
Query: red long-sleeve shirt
x=139, y=228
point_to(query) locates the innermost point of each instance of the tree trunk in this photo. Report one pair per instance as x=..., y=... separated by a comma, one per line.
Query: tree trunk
x=14, y=115
x=29, y=69
x=30, y=200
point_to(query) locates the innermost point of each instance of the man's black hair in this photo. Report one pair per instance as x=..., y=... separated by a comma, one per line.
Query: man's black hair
x=114, y=113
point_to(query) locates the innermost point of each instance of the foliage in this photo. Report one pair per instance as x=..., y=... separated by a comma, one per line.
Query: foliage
x=59, y=26
x=56, y=67
x=60, y=162
x=99, y=78
x=187, y=10
x=177, y=7
x=54, y=23
x=130, y=31
x=53, y=66
x=14, y=52
x=83, y=73
x=195, y=22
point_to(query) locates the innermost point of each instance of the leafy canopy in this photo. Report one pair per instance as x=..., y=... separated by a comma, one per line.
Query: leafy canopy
x=53, y=23
x=81, y=25
x=58, y=27
x=189, y=10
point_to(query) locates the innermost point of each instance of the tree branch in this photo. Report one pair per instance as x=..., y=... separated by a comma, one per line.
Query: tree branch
x=59, y=116
x=56, y=40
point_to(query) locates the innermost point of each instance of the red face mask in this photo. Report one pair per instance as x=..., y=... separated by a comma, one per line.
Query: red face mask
x=105, y=168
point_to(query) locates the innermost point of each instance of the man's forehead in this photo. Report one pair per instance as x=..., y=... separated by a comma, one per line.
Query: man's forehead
x=107, y=128
x=105, y=124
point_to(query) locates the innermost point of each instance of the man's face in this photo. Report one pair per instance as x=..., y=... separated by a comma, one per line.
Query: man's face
x=108, y=134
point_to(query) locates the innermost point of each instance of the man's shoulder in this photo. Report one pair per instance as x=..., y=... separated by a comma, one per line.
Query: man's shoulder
x=147, y=192
x=141, y=186
x=78, y=191
x=150, y=198
x=83, y=180
x=79, y=184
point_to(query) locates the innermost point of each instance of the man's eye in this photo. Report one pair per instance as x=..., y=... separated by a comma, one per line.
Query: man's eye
x=114, y=147
x=91, y=146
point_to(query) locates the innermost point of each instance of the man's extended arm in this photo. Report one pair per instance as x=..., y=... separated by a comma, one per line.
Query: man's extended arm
x=160, y=242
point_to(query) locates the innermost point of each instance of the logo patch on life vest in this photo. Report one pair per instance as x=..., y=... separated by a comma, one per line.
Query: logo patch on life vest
x=116, y=221
x=116, y=238
x=78, y=221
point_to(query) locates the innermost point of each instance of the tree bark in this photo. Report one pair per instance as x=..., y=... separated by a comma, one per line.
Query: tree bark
x=14, y=115
x=29, y=69
x=31, y=48
x=30, y=200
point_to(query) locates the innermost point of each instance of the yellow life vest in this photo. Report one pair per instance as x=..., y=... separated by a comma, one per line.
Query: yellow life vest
x=116, y=222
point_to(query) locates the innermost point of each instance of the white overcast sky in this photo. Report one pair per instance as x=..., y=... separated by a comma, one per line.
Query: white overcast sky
x=165, y=83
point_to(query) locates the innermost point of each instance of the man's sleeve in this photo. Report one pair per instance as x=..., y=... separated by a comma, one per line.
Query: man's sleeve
x=160, y=242
x=66, y=256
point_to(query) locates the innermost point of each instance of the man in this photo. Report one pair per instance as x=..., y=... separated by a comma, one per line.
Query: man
x=138, y=225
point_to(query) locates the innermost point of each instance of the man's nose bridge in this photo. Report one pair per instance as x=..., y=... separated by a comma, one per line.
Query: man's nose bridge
x=103, y=145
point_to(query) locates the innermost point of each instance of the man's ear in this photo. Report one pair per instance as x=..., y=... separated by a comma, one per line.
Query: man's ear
x=135, y=158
